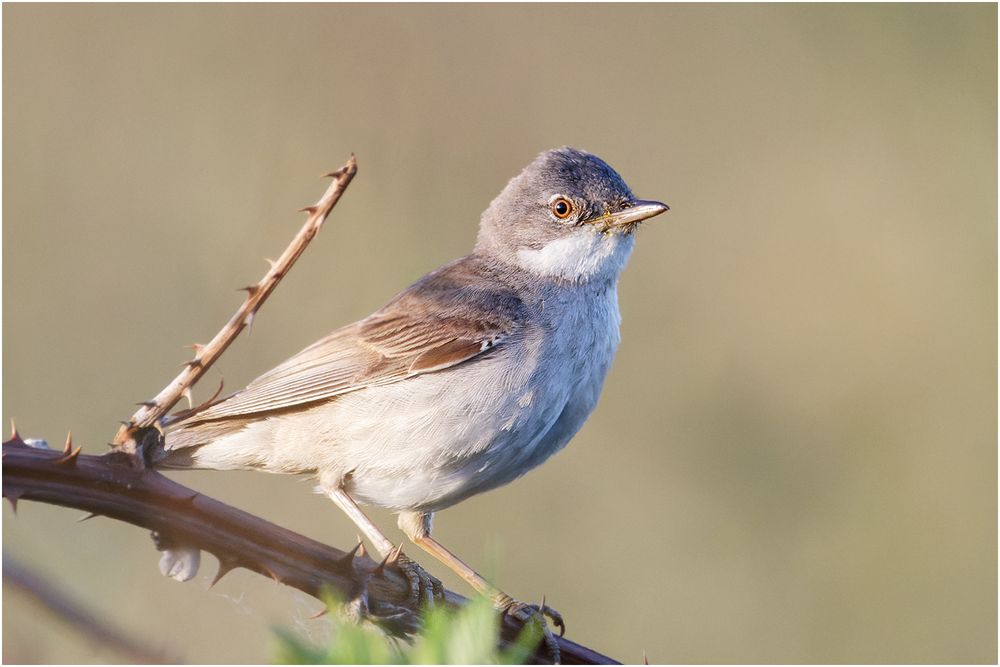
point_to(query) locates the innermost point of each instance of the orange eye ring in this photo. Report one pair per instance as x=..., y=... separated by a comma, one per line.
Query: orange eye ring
x=561, y=207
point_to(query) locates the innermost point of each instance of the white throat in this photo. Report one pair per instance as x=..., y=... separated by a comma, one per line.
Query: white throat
x=583, y=255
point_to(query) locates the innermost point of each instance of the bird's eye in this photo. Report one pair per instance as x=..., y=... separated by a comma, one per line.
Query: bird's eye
x=561, y=207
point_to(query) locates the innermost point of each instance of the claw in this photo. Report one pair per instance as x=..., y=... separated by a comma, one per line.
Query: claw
x=424, y=588
x=530, y=613
x=557, y=619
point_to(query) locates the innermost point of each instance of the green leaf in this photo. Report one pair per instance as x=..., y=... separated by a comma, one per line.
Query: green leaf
x=468, y=636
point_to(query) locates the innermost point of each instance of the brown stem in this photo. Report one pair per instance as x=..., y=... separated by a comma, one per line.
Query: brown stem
x=111, y=485
x=150, y=412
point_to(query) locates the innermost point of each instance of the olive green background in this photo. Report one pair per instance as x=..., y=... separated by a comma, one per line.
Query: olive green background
x=795, y=456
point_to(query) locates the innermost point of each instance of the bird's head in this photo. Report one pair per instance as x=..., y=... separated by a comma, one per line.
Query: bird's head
x=567, y=216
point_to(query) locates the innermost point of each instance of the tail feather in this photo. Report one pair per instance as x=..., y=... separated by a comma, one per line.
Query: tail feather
x=179, y=448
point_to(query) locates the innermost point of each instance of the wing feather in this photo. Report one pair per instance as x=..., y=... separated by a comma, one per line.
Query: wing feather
x=437, y=323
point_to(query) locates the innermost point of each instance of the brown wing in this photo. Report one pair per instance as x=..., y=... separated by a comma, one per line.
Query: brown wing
x=434, y=325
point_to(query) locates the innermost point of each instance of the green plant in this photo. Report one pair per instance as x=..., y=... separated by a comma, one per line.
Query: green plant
x=467, y=636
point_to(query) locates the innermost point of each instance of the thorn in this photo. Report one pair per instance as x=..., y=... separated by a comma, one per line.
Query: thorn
x=68, y=458
x=272, y=574
x=68, y=447
x=12, y=496
x=225, y=567
x=197, y=347
x=270, y=262
x=347, y=560
x=87, y=517
x=190, y=499
x=147, y=404
x=645, y=658
x=127, y=424
x=15, y=437
x=248, y=320
x=249, y=289
x=311, y=210
x=184, y=414
x=361, y=551
x=389, y=559
x=322, y=612
x=350, y=168
x=396, y=553
x=218, y=391
x=187, y=394
x=194, y=363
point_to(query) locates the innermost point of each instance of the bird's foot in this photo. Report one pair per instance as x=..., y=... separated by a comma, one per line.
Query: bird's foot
x=399, y=619
x=534, y=613
x=424, y=589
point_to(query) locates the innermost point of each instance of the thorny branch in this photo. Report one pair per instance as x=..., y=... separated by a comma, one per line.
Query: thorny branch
x=112, y=486
x=150, y=412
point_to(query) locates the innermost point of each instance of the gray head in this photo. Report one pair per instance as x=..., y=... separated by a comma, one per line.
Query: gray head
x=568, y=215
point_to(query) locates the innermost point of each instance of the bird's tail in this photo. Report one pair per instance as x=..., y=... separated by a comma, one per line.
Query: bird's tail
x=183, y=434
x=179, y=447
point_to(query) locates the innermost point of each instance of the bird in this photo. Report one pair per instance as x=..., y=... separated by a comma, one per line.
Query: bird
x=473, y=375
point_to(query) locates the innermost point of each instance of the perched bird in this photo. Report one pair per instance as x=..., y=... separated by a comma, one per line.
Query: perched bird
x=471, y=377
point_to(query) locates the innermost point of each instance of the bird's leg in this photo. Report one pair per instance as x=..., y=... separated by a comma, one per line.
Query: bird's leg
x=417, y=526
x=423, y=587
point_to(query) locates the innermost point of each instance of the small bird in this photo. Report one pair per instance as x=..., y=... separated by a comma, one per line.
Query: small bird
x=468, y=379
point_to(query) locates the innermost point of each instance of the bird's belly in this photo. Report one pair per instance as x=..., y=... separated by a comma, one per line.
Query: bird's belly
x=436, y=439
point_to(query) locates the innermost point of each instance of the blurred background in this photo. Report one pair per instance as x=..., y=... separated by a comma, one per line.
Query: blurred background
x=795, y=456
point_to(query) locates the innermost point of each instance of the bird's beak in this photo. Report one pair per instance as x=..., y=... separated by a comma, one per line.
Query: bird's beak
x=641, y=209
